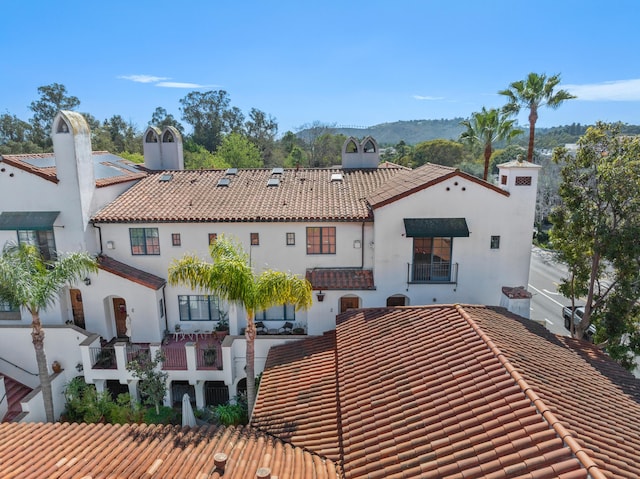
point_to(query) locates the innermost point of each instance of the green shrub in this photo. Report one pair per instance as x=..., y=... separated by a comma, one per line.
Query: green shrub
x=167, y=415
x=234, y=413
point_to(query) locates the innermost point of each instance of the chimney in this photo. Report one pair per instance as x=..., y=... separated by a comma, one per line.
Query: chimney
x=517, y=300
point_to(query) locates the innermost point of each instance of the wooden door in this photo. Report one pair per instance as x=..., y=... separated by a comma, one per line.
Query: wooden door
x=349, y=302
x=120, y=315
x=77, y=308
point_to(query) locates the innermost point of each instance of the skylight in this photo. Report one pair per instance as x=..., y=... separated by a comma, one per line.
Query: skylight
x=336, y=177
x=231, y=171
x=224, y=182
x=166, y=177
x=273, y=182
x=277, y=171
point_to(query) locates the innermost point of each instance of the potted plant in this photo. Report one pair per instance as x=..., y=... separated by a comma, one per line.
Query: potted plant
x=223, y=323
x=298, y=329
x=210, y=354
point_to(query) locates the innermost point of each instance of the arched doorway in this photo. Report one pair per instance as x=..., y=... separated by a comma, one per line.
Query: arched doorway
x=77, y=308
x=120, y=316
x=397, y=300
x=349, y=302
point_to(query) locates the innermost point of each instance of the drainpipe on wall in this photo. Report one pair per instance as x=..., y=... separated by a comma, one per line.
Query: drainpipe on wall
x=164, y=306
x=362, y=247
x=99, y=236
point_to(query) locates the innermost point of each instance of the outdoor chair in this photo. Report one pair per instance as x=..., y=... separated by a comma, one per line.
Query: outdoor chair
x=287, y=328
x=261, y=328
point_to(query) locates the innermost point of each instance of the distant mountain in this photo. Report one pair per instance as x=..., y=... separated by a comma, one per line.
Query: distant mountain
x=411, y=132
x=416, y=131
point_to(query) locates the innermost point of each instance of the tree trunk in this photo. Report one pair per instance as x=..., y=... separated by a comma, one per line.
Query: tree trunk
x=586, y=318
x=250, y=335
x=487, y=158
x=533, y=118
x=37, y=335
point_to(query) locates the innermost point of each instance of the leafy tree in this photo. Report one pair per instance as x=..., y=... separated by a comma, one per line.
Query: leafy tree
x=15, y=136
x=328, y=150
x=162, y=118
x=232, y=278
x=261, y=129
x=532, y=93
x=441, y=152
x=296, y=158
x=53, y=98
x=309, y=135
x=29, y=281
x=153, y=382
x=197, y=157
x=211, y=117
x=486, y=127
x=238, y=151
x=595, y=231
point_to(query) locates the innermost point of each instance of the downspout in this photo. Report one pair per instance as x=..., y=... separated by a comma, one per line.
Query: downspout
x=99, y=236
x=362, y=247
x=164, y=306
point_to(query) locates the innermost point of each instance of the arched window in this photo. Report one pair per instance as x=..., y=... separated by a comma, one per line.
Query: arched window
x=168, y=137
x=351, y=147
x=62, y=126
x=369, y=147
x=151, y=137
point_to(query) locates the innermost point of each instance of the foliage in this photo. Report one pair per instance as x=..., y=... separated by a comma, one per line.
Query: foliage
x=486, y=127
x=197, y=157
x=162, y=118
x=440, y=152
x=152, y=382
x=261, y=130
x=234, y=413
x=231, y=277
x=211, y=117
x=161, y=415
x=134, y=157
x=84, y=404
x=53, y=98
x=30, y=282
x=532, y=93
x=595, y=231
x=237, y=151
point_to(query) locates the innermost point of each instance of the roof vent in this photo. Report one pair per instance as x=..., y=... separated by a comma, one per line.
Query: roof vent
x=273, y=182
x=167, y=177
x=336, y=177
x=224, y=182
x=231, y=172
x=220, y=460
x=277, y=171
x=263, y=473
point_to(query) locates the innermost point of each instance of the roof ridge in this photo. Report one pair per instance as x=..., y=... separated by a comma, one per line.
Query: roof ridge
x=567, y=438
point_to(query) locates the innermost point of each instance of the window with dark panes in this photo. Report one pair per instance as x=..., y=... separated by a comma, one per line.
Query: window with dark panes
x=255, y=239
x=175, y=239
x=321, y=240
x=200, y=307
x=144, y=241
x=291, y=239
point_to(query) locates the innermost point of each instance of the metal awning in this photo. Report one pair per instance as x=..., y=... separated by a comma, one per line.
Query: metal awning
x=436, y=227
x=27, y=220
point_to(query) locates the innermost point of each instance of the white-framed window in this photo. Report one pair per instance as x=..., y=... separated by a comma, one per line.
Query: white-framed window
x=198, y=307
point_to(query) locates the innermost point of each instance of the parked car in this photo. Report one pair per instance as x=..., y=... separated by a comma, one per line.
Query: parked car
x=579, y=313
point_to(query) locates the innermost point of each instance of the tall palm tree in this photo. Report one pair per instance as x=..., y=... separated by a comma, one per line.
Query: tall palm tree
x=484, y=128
x=532, y=93
x=232, y=278
x=29, y=281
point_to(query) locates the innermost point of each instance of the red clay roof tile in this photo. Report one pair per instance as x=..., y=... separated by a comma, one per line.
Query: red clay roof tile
x=69, y=451
x=302, y=195
x=126, y=271
x=444, y=391
x=340, y=278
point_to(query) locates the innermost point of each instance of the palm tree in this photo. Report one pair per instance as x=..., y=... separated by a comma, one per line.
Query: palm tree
x=485, y=127
x=532, y=93
x=232, y=278
x=29, y=281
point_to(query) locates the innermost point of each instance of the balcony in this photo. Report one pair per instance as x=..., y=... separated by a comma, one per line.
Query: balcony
x=442, y=272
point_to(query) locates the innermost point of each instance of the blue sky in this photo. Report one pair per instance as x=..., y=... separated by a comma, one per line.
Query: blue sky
x=345, y=62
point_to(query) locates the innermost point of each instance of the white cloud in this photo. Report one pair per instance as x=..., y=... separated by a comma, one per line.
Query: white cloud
x=421, y=97
x=619, y=90
x=172, y=84
x=143, y=78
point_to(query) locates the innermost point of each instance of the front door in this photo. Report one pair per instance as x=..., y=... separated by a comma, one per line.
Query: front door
x=349, y=302
x=77, y=308
x=120, y=314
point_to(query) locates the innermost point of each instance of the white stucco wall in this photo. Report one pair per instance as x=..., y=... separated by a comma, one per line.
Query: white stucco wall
x=482, y=271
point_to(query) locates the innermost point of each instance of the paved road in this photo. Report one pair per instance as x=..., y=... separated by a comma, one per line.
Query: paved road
x=546, y=302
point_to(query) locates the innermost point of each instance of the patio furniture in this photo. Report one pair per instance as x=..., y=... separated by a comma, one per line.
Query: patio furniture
x=261, y=328
x=286, y=328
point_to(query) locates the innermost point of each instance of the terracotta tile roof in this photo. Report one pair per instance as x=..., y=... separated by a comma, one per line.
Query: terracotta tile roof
x=409, y=182
x=445, y=391
x=305, y=411
x=73, y=451
x=136, y=275
x=109, y=169
x=340, y=278
x=302, y=195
